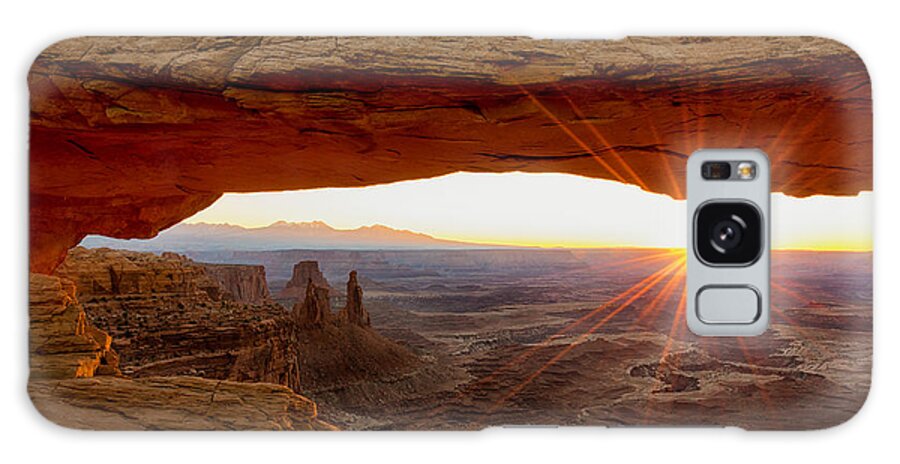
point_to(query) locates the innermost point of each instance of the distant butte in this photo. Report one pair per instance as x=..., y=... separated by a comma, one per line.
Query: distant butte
x=129, y=136
x=305, y=273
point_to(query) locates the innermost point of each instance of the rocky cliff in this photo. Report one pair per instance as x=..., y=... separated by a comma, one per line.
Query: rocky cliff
x=354, y=312
x=173, y=403
x=243, y=283
x=168, y=316
x=107, y=273
x=303, y=273
x=189, y=358
x=75, y=382
x=347, y=364
x=61, y=342
x=315, y=309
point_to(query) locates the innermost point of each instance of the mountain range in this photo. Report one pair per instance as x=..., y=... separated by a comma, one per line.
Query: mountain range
x=281, y=236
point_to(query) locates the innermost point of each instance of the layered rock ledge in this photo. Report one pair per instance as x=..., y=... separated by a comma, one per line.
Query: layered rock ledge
x=75, y=381
x=173, y=403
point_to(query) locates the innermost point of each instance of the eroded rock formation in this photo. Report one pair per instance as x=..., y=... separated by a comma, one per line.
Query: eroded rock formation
x=304, y=272
x=173, y=403
x=354, y=312
x=167, y=316
x=315, y=309
x=243, y=283
x=180, y=349
x=192, y=117
x=75, y=382
x=62, y=344
x=104, y=272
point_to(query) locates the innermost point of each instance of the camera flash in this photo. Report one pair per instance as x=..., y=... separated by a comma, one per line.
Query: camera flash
x=746, y=170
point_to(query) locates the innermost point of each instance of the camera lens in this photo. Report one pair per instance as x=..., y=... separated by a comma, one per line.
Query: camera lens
x=728, y=233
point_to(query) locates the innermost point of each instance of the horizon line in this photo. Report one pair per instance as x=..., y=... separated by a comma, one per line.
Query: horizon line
x=482, y=247
x=499, y=245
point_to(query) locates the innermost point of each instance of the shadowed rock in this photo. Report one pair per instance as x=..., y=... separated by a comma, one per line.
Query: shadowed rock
x=243, y=283
x=168, y=316
x=63, y=345
x=354, y=312
x=304, y=272
x=315, y=309
x=194, y=117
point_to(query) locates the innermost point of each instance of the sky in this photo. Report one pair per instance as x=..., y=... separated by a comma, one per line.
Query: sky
x=548, y=209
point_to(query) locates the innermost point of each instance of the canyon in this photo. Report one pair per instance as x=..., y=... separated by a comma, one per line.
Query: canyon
x=169, y=320
x=75, y=381
x=242, y=283
x=460, y=336
x=305, y=275
x=482, y=321
x=169, y=316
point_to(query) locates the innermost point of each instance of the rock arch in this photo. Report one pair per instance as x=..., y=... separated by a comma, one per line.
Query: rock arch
x=132, y=135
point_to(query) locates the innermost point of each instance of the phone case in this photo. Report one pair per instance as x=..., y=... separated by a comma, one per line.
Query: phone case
x=319, y=233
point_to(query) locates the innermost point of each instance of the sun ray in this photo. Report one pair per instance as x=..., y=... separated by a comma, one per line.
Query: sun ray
x=585, y=336
x=667, y=162
x=657, y=140
x=673, y=332
x=671, y=175
x=642, y=259
x=663, y=294
x=804, y=334
x=596, y=156
x=784, y=131
x=600, y=138
x=778, y=311
x=515, y=362
x=701, y=123
x=805, y=289
x=794, y=177
x=745, y=127
x=791, y=293
x=796, y=137
x=676, y=325
x=755, y=370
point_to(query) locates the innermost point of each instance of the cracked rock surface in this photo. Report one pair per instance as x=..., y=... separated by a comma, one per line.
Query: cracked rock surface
x=173, y=403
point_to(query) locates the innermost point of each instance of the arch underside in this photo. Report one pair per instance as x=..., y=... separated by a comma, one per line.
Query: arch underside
x=129, y=136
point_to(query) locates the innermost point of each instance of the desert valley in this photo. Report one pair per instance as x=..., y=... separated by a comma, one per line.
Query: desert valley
x=466, y=338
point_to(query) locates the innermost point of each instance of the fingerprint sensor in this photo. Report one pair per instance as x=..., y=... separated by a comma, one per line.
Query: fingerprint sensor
x=723, y=304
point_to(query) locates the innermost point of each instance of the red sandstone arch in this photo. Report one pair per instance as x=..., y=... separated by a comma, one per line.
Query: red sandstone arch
x=131, y=135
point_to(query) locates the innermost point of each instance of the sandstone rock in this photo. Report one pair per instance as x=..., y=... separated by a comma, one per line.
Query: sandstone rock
x=315, y=309
x=173, y=403
x=62, y=344
x=251, y=351
x=205, y=115
x=244, y=283
x=168, y=316
x=59, y=223
x=105, y=272
x=354, y=312
x=303, y=273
